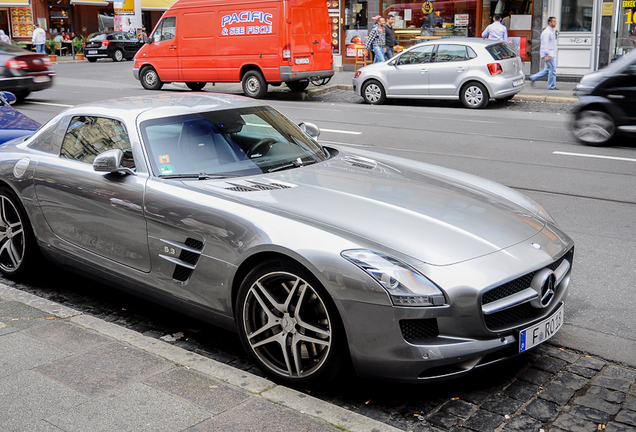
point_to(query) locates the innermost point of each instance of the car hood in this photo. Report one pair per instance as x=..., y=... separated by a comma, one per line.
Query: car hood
x=430, y=217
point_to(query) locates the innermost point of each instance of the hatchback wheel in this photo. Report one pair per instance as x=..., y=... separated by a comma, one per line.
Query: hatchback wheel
x=150, y=79
x=17, y=242
x=288, y=324
x=118, y=55
x=254, y=84
x=474, y=95
x=594, y=127
x=373, y=93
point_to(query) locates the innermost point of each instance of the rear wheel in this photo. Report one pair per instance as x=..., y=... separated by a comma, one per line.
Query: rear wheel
x=373, y=93
x=18, y=248
x=150, y=79
x=254, y=85
x=23, y=95
x=91, y=59
x=297, y=86
x=474, y=95
x=118, y=55
x=594, y=127
x=196, y=86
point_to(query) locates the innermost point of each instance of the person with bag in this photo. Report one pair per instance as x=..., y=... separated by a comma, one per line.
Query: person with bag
x=377, y=42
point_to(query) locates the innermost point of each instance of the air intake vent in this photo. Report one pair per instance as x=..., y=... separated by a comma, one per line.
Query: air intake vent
x=360, y=162
x=418, y=329
x=255, y=186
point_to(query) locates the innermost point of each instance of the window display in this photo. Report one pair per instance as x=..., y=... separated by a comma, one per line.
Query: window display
x=21, y=22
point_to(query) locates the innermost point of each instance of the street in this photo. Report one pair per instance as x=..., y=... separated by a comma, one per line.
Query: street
x=590, y=192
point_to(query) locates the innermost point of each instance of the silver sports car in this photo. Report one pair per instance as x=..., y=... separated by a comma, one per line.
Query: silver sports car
x=316, y=255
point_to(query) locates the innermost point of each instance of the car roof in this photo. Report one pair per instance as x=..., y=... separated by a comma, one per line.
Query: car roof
x=465, y=41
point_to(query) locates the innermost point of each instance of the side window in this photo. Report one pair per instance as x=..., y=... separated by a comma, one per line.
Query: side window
x=86, y=137
x=450, y=53
x=417, y=55
x=165, y=30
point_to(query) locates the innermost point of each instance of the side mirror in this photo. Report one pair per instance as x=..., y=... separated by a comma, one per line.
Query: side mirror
x=8, y=97
x=146, y=39
x=110, y=161
x=310, y=129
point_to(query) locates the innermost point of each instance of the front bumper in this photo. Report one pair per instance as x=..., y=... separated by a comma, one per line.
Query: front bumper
x=286, y=74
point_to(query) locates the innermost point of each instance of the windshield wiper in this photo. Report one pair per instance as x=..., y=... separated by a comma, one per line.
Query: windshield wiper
x=200, y=176
x=294, y=164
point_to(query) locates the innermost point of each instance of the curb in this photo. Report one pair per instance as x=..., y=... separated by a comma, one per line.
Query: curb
x=260, y=387
x=540, y=98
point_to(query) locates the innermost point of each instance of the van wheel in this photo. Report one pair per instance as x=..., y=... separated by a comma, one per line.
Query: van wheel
x=150, y=79
x=298, y=86
x=254, y=85
x=474, y=95
x=118, y=55
x=196, y=86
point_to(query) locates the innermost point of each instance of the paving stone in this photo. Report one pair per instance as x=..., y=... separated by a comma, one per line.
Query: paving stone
x=592, y=401
x=67, y=336
x=422, y=426
x=582, y=371
x=590, y=363
x=608, y=395
x=574, y=423
x=620, y=372
x=522, y=423
x=562, y=354
x=501, y=404
x=542, y=410
x=21, y=352
x=484, y=421
x=11, y=310
x=630, y=403
x=627, y=417
x=618, y=427
x=476, y=396
x=8, y=330
x=612, y=383
x=535, y=376
x=443, y=420
x=40, y=426
x=570, y=380
x=521, y=390
x=549, y=364
x=590, y=414
x=459, y=408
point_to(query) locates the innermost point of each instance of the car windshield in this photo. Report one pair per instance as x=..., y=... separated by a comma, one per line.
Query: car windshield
x=501, y=51
x=235, y=142
x=96, y=37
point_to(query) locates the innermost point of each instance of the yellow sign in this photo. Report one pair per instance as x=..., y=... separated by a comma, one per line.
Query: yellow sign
x=627, y=3
x=428, y=7
x=608, y=9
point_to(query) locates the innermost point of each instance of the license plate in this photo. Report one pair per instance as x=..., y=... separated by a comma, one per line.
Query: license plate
x=517, y=83
x=539, y=333
x=41, y=79
x=301, y=61
x=92, y=51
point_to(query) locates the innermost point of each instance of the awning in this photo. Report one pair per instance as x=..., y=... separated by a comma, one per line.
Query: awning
x=89, y=2
x=14, y=3
x=156, y=5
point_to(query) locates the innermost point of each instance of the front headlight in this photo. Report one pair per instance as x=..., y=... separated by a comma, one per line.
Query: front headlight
x=405, y=285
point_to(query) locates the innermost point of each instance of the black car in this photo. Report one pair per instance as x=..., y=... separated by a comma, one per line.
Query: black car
x=22, y=71
x=607, y=103
x=116, y=45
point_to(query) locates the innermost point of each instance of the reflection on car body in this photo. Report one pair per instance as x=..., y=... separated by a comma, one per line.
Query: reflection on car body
x=412, y=271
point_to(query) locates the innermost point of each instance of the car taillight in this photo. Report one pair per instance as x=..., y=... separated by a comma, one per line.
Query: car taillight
x=17, y=64
x=46, y=61
x=105, y=42
x=494, y=68
x=286, y=52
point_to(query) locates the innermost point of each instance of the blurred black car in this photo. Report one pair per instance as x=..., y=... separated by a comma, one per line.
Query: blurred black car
x=116, y=45
x=22, y=71
x=607, y=103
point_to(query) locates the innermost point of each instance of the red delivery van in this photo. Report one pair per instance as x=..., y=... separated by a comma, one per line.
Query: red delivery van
x=257, y=43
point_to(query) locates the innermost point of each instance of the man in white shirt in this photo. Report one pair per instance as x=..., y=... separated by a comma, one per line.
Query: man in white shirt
x=506, y=20
x=39, y=38
x=496, y=30
x=548, y=52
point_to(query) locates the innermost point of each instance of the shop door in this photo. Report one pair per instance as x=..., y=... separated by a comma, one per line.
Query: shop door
x=409, y=74
x=577, y=24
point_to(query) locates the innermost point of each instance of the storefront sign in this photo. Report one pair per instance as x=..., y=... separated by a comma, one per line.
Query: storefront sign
x=630, y=17
x=353, y=38
x=629, y=3
x=461, y=20
x=428, y=7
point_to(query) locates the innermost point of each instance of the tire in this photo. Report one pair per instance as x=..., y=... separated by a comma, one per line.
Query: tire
x=18, y=248
x=118, y=55
x=254, y=84
x=150, y=78
x=21, y=96
x=288, y=324
x=474, y=95
x=297, y=86
x=196, y=86
x=91, y=59
x=594, y=127
x=373, y=93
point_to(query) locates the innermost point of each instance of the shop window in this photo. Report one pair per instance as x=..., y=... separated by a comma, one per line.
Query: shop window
x=576, y=15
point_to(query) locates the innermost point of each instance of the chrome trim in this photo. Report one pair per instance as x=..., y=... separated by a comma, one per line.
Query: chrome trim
x=181, y=246
x=177, y=261
x=521, y=297
x=561, y=272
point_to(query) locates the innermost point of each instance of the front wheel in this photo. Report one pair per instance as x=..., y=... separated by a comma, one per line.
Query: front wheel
x=373, y=93
x=196, y=86
x=594, y=127
x=18, y=249
x=254, y=85
x=474, y=95
x=118, y=55
x=150, y=79
x=288, y=324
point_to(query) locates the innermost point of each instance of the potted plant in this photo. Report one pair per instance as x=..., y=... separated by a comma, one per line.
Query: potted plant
x=51, y=46
x=78, y=46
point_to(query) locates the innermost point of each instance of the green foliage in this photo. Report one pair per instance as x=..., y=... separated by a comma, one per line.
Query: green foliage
x=78, y=44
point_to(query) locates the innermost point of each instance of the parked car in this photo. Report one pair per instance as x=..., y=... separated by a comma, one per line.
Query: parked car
x=22, y=71
x=607, y=103
x=267, y=42
x=220, y=206
x=116, y=45
x=473, y=70
x=13, y=124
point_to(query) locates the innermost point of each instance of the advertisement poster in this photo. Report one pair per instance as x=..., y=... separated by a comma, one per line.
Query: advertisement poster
x=127, y=15
x=352, y=38
x=518, y=45
x=461, y=20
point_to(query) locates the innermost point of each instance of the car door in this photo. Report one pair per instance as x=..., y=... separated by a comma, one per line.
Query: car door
x=448, y=69
x=165, y=54
x=623, y=92
x=409, y=73
x=96, y=212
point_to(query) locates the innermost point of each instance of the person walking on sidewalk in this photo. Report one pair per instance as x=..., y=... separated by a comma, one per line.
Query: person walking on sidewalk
x=548, y=52
x=39, y=38
x=377, y=42
x=496, y=30
x=390, y=38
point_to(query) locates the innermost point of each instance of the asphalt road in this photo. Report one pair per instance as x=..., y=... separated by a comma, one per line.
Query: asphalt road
x=591, y=192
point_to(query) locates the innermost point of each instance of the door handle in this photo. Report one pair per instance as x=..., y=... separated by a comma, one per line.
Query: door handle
x=460, y=69
x=172, y=47
x=423, y=71
x=315, y=42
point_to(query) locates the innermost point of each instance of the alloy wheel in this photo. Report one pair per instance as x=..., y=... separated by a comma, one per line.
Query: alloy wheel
x=11, y=236
x=372, y=93
x=287, y=324
x=594, y=127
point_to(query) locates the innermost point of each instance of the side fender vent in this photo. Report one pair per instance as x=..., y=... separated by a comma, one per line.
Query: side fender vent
x=187, y=260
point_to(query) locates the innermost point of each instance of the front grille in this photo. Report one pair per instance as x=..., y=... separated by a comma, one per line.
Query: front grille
x=512, y=317
x=417, y=329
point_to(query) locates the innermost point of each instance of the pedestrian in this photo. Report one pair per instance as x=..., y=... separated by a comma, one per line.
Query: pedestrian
x=4, y=38
x=496, y=30
x=375, y=21
x=377, y=42
x=389, y=36
x=38, y=39
x=548, y=53
x=506, y=20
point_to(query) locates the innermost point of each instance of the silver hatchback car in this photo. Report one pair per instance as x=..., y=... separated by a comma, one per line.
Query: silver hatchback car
x=473, y=70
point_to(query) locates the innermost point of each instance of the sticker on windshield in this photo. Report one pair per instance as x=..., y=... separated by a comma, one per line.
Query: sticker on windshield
x=166, y=169
x=164, y=158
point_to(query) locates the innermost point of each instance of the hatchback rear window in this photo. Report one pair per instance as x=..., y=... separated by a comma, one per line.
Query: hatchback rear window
x=501, y=51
